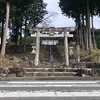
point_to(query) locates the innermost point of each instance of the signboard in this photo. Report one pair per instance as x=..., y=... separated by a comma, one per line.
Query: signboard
x=50, y=42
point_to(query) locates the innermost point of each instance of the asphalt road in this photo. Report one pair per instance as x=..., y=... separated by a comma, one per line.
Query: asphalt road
x=50, y=90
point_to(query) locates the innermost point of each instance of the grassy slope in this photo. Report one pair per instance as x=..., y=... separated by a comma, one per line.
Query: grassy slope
x=84, y=54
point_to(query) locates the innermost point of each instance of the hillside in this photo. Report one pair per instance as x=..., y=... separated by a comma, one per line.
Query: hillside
x=13, y=59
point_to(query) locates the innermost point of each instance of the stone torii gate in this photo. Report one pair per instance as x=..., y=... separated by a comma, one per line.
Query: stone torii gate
x=51, y=32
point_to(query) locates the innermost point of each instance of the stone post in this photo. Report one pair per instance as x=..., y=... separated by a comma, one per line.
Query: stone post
x=66, y=49
x=37, y=48
x=78, y=53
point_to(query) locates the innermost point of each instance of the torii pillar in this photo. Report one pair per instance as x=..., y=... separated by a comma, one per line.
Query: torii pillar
x=66, y=47
x=37, y=48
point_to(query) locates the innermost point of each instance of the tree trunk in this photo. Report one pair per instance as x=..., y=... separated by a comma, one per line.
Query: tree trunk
x=94, y=40
x=80, y=32
x=80, y=37
x=83, y=31
x=3, y=48
x=2, y=31
x=21, y=39
x=89, y=40
x=87, y=34
x=16, y=37
x=82, y=45
x=77, y=44
x=25, y=35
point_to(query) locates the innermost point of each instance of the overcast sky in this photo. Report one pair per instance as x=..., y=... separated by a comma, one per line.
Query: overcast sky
x=63, y=21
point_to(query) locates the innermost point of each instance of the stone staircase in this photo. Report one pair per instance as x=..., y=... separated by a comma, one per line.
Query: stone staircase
x=51, y=71
x=45, y=72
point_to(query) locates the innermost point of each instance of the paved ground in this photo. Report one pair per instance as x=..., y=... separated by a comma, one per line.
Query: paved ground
x=50, y=90
x=11, y=78
x=60, y=98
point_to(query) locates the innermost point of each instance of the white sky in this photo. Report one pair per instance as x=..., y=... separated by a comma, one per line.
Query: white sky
x=63, y=21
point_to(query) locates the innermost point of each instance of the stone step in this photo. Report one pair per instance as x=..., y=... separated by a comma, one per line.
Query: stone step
x=51, y=69
x=20, y=72
x=51, y=73
x=57, y=71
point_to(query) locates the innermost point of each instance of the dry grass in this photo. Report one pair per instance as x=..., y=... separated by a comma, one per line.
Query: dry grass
x=91, y=55
x=8, y=61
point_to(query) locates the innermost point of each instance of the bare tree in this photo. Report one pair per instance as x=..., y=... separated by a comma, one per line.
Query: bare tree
x=3, y=48
x=48, y=19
